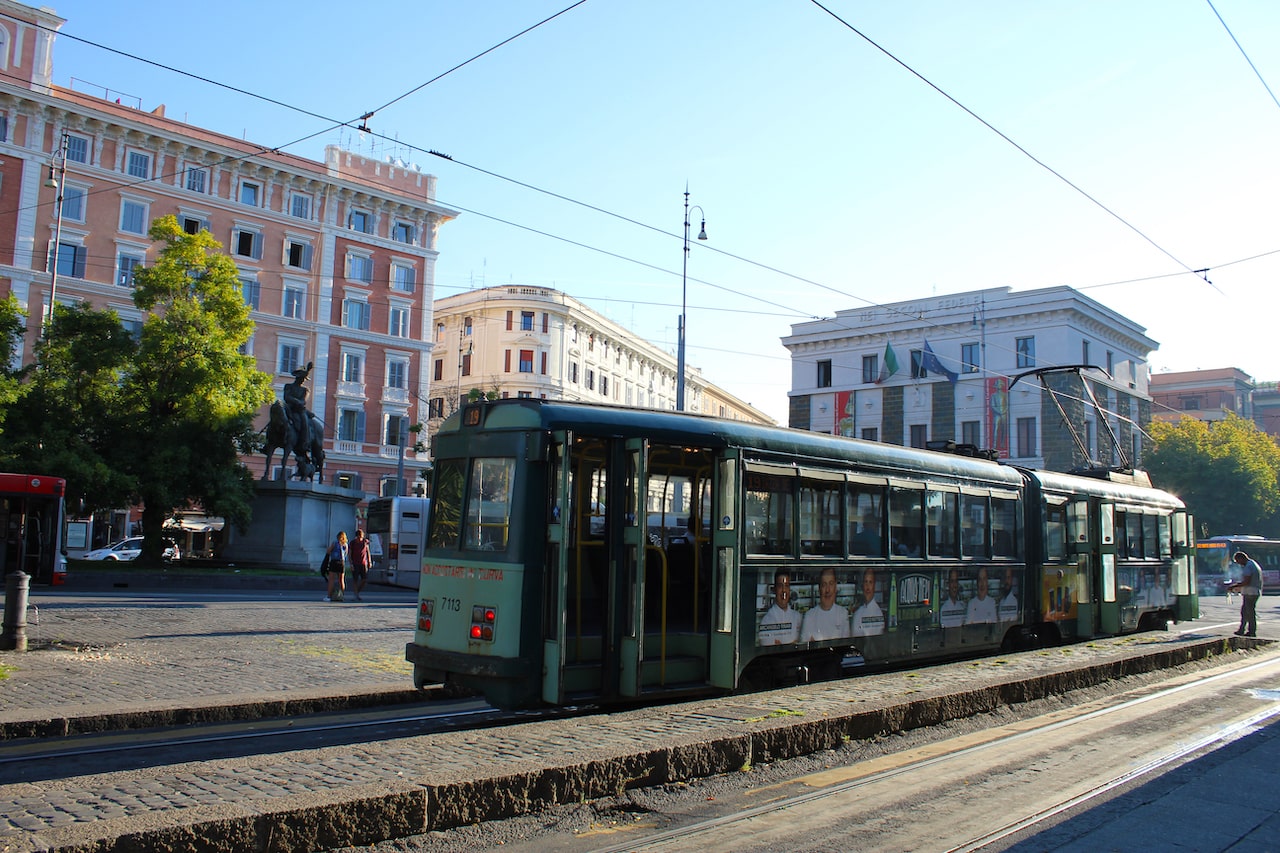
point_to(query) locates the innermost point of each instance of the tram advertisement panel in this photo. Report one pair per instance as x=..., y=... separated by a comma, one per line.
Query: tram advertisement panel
x=1060, y=587
x=814, y=605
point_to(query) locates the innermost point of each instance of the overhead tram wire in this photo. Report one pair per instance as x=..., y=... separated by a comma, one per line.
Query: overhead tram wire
x=1240, y=47
x=789, y=311
x=1126, y=223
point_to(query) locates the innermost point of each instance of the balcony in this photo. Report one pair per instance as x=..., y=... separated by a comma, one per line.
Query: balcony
x=353, y=390
x=348, y=448
x=395, y=395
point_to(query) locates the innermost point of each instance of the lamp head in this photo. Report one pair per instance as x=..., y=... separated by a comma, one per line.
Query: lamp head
x=52, y=182
x=702, y=235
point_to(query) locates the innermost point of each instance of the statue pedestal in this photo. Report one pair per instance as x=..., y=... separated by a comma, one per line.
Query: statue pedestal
x=293, y=523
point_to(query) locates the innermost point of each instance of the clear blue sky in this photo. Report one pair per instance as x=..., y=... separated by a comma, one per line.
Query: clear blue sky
x=809, y=150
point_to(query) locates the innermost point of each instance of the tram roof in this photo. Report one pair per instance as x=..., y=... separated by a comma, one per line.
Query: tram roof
x=777, y=444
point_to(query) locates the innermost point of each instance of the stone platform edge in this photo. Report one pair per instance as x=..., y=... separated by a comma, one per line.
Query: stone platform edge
x=365, y=814
x=250, y=707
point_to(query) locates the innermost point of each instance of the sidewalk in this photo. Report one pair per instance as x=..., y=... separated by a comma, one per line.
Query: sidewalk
x=145, y=657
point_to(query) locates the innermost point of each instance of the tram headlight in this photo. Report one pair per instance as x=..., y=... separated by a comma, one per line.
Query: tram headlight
x=483, y=620
x=426, y=614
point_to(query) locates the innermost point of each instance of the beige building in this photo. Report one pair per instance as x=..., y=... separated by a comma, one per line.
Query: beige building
x=522, y=341
x=336, y=258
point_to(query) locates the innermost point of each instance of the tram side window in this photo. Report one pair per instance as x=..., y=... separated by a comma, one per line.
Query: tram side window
x=1055, y=534
x=1004, y=528
x=1150, y=537
x=820, y=517
x=768, y=513
x=446, y=503
x=865, y=511
x=942, y=511
x=906, y=521
x=974, y=541
x=488, y=518
x=1129, y=525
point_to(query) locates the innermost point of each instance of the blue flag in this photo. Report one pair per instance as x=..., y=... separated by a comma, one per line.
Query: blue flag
x=931, y=362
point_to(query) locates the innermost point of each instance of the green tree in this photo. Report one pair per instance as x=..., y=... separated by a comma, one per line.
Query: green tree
x=12, y=328
x=68, y=420
x=1227, y=472
x=191, y=394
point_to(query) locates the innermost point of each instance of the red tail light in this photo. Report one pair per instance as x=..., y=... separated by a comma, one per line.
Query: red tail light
x=426, y=610
x=483, y=620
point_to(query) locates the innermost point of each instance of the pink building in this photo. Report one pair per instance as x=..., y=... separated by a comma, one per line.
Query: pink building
x=337, y=258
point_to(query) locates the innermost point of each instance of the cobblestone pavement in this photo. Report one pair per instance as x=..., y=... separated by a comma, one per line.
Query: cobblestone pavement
x=138, y=651
x=153, y=650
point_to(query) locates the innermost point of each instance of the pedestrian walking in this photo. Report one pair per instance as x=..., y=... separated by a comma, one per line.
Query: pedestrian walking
x=1250, y=587
x=360, y=561
x=337, y=557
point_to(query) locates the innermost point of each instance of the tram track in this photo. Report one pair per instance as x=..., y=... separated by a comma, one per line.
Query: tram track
x=984, y=756
x=44, y=759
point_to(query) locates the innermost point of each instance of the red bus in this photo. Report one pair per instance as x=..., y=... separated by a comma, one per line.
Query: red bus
x=31, y=516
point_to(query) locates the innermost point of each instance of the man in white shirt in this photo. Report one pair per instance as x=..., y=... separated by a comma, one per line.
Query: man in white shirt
x=868, y=620
x=982, y=607
x=1009, y=604
x=781, y=624
x=827, y=621
x=953, y=608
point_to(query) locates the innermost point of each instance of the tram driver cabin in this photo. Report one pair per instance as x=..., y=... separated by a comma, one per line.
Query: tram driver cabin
x=599, y=554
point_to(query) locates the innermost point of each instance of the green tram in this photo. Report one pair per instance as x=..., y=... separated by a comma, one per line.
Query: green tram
x=592, y=554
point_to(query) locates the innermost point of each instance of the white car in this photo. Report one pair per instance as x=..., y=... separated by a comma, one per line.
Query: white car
x=129, y=549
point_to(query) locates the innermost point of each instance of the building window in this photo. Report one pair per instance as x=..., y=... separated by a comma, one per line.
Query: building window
x=193, y=224
x=403, y=232
x=198, y=180
x=969, y=354
x=919, y=435
x=360, y=268
x=870, y=434
x=526, y=321
x=573, y=372
x=352, y=367
x=397, y=373
x=1191, y=404
x=246, y=243
x=77, y=149
x=360, y=220
x=70, y=259
x=297, y=254
x=293, y=301
x=397, y=430
x=437, y=370
x=1084, y=352
x=290, y=359
x=971, y=433
x=300, y=206
x=1111, y=368
x=251, y=292
x=398, y=324
x=403, y=278
x=466, y=364
x=126, y=266
x=1026, y=348
x=138, y=165
x=355, y=314
x=73, y=204
x=824, y=373
x=604, y=385
x=917, y=366
x=1026, y=437
x=250, y=194
x=351, y=425
x=526, y=361
x=591, y=379
x=133, y=217
x=870, y=368
x=466, y=326
x=435, y=407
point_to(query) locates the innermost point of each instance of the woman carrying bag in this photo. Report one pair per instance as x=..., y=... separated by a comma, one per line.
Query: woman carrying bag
x=336, y=560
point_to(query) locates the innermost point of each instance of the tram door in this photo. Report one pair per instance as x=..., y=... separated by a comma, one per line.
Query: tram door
x=627, y=591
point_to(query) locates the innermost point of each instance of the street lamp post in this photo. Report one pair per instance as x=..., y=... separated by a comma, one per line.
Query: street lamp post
x=684, y=297
x=57, y=181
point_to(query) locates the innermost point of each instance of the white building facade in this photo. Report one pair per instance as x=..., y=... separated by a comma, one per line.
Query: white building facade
x=960, y=368
x=537, y=342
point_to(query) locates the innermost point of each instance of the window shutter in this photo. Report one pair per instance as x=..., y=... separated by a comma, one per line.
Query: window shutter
x=506, y=357
x=508, y=327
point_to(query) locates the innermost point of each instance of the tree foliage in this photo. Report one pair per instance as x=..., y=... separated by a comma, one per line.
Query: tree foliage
x=155, y=418
x=1227, y=472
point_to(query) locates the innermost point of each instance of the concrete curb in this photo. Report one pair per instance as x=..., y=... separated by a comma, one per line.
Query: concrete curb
x=364, y=814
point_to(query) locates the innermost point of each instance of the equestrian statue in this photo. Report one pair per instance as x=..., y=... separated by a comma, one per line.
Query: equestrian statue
x=292, y=428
